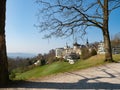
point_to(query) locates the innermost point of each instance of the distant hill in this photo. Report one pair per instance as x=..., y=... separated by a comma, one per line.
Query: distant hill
x=22, y=55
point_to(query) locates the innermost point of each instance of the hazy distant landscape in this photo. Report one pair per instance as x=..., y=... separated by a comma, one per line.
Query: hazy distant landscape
x=22, y=55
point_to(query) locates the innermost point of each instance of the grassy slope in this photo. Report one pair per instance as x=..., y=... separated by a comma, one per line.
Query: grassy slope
x=58, y=67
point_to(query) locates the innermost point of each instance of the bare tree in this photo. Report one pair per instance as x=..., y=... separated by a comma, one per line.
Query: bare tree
x=3, y=56
x=66, y=17
x=115, y=41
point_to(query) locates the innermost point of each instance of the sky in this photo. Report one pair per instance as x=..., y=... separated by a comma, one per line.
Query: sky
x=23, y=37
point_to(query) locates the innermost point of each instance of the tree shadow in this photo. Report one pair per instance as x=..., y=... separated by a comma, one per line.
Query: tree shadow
x=81, y=84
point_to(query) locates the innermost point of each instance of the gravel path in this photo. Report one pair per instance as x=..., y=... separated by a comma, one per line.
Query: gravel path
x=100, y=77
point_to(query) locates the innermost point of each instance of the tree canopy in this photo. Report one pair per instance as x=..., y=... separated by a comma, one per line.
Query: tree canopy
x=65, y=17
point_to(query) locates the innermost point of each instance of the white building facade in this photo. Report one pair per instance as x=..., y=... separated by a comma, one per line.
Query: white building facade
x=59, y=52
x=66, y=52
x=101, y=49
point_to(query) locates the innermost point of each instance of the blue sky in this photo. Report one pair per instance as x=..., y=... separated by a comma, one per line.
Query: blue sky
x=22, y=36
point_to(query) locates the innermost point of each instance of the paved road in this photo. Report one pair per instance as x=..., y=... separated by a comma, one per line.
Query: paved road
x=100, y=77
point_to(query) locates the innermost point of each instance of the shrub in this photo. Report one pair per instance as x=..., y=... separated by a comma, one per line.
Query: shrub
x=12, y=75
x=93, y=52
x=85, y=54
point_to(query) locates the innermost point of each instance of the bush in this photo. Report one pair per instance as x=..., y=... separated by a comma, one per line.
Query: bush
x=43, y=62
x=85, y=54
x=12, y=75
x=93, y=52
x=19, y=70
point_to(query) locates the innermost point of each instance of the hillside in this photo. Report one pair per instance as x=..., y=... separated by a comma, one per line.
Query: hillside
x=61, y=66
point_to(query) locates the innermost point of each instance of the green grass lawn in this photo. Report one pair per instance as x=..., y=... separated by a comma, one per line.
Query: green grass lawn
x=61, y=66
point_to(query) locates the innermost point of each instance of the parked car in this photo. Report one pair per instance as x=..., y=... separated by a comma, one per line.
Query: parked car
x=71, y=61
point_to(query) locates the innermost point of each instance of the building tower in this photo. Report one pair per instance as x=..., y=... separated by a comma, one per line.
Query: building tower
x=87, y=43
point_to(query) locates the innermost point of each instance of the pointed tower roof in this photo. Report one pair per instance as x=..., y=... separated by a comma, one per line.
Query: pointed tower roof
x=87, y=43
x=76, y=44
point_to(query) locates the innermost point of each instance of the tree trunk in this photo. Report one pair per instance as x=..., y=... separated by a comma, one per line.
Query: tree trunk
x=3, y=56
x=107, y=44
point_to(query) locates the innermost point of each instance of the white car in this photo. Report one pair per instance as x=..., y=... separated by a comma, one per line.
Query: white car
x=71, y=61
